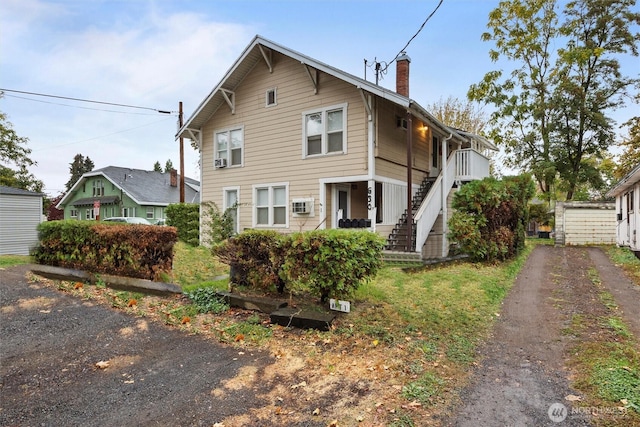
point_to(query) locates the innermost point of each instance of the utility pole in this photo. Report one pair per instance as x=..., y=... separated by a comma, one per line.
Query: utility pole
x=181, y=154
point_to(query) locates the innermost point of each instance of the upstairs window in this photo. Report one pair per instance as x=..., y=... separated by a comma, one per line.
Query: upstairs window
x=325, y=131
x=228, y=146
x=98, y=188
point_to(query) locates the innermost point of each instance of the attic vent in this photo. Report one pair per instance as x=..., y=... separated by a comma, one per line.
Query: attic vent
x=271, y=97
x=401, y=122
x=302, y=206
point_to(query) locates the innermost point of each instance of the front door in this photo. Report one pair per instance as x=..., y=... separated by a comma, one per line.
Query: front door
x=342, y=203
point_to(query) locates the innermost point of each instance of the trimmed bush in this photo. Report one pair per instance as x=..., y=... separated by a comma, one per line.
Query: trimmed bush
x=490, y=218
x=186, y=218
x=131, y=250
x=331, y=262
x=255, y=258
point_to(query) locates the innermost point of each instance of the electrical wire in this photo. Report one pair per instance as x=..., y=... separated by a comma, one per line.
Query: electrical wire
x=76, y=106
x=88, y=100
x=383, y=69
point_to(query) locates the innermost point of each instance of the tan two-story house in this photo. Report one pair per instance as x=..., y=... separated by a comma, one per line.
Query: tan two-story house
x=292, y=144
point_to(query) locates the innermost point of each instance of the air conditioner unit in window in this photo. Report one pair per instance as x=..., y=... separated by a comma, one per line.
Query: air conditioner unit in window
x=220, y=163
x=301, y=207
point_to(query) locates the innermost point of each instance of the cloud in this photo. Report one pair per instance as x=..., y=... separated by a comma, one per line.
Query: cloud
x=124, y=54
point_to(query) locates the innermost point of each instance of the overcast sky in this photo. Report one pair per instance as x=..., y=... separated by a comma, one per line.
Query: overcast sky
x=156, y=53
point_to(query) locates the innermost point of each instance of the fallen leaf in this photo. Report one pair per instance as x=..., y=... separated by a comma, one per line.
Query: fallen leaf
x=239, y=337
x=102, y=364
x=129, y=382
x=316, y=411
x=302, y=384
x=333, y=423
x=78, y=285
x=375, y=342
x=573, y=398
x=359, y=418
x=218, y=425
x=132, y=302
x=186, y=319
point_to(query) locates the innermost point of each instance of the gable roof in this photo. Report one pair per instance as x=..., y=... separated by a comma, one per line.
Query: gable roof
x=144, y=187
x=628, y=181
x=260, y=50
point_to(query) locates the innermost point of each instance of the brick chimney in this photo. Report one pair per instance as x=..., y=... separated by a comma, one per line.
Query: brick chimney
x=402, y=74
x=174, y=178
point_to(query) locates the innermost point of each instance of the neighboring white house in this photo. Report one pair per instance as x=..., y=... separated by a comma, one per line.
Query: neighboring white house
x=626, y=192
x=585, y=223
x=20, y=214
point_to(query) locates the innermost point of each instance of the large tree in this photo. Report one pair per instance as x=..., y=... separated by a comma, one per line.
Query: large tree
x=551, y=111
x=15, y=159
x=630, y=157
x=77, y=168
x=459, y=114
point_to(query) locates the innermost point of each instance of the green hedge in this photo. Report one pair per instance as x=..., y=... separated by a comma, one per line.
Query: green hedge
x=490, y=218
x=132, y=250
x=186, y=218
x=326, y=263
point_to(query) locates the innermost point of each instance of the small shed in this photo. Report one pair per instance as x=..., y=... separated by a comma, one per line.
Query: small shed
x=585, y=223
x=20, y=214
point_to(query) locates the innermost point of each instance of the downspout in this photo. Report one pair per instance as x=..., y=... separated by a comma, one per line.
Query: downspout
x=409, y=184
x=371, y=158
x=445, y=193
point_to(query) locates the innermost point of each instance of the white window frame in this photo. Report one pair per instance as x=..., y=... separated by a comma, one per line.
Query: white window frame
x=270, y=205
x=98, y=188
x=225, y=190
x=73, y=213
x=151, y=212
x=324, y=140
x=129, y=212
x=226, y=156
x=273, y=90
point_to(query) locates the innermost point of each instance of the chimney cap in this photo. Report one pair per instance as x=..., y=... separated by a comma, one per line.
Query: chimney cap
x=403, y=57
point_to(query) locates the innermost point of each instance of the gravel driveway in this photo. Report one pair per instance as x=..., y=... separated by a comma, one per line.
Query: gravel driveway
x=51, y=342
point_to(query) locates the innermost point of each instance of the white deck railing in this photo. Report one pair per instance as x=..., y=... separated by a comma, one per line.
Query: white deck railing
x=471, y=165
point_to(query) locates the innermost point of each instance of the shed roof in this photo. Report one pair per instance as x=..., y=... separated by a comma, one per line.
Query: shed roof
x=628, y=181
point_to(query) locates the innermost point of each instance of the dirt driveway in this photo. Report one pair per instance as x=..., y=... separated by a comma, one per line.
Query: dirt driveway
x=50, y=343
x=523, y=378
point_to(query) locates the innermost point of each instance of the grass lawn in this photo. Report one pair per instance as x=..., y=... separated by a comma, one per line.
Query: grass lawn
x=411, y=336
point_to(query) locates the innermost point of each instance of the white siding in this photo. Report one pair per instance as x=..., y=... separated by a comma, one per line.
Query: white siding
x=19, y=217
x=584, y=223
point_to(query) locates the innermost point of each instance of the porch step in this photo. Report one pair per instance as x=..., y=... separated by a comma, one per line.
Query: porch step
x=397, y=257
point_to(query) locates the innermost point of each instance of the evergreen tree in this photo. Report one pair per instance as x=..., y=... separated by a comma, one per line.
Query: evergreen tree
x=77, y=168
x=157, y=167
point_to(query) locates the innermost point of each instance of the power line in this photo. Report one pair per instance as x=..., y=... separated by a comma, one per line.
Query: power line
x=87, y=100
x=379, y=69
x=76, y=106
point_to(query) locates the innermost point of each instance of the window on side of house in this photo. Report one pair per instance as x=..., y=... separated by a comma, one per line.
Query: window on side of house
x=228, y=145
x=271, y=97
x=128, y=212
x=98, y=188
x=150, y=213
x=324, y=131
x=73, y=213
x=435, y=146
x=270, y=204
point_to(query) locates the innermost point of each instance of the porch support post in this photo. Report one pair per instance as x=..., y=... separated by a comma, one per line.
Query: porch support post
x=371, y=160
x=409, y=246
x=445, y=193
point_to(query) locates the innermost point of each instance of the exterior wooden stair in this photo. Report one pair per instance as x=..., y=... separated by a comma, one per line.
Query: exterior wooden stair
x=397, y=240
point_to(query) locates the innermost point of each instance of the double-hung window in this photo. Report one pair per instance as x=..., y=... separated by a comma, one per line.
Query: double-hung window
x=270, y=204
x=98, y=188
x=325, y=131
x=228, y=146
